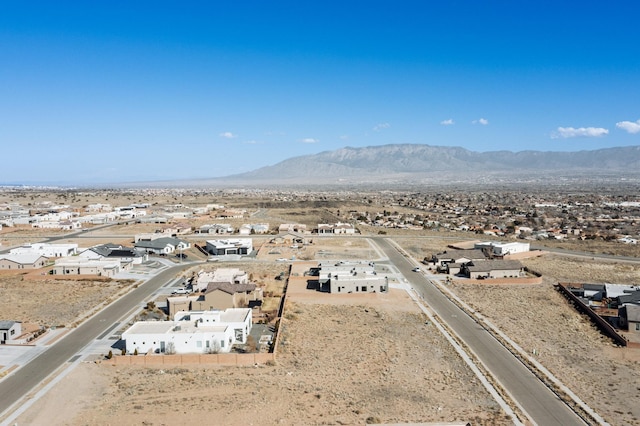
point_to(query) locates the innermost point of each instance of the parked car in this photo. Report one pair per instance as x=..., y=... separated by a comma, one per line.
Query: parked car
x=180, y=290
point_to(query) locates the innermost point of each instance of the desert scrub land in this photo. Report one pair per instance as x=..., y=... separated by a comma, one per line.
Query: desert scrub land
x=419, y=248
x=338, y=364
x=584, y=270
x=53, y=302
x=537, y=317
x=598, y=246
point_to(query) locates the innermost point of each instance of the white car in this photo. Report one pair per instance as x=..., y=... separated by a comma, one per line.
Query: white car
x=180, y=290
x=416, y=269
x=281, y=259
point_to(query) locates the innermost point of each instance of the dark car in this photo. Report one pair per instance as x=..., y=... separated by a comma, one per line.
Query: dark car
x=181, y=255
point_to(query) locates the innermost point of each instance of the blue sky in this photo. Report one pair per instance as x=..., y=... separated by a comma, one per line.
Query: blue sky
x=126, y=91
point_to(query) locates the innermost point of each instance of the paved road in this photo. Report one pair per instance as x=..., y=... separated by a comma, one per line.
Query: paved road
x=544, y=407
x=14, y=387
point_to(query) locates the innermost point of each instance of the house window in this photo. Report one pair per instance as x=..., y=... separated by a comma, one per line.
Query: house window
x=638, y=326
x=364, y=288
x=199, y=344
x=222, y=343
x=207, y=344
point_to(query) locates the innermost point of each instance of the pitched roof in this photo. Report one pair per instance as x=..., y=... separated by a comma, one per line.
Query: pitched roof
x=158, y=243
x=230, y=288
x=115, y=250
x=7, y=324
x=23, y=258
x=629, y=298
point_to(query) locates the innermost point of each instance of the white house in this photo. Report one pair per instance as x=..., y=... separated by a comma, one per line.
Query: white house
x=337, y=228
x=165, y=245
x=9, y=330
x=503, y=249
x=229, y=246
x=256, y=228
x=191, y=332
x=47, y=250
x=127, y=256
x=216, y=228
x=351, y=277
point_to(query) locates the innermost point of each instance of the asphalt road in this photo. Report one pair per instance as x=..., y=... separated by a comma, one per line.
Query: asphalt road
x=15, y=386
x=542, y=405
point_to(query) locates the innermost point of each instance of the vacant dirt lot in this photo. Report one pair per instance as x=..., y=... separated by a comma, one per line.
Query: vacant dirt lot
x=537, y=317
x=50, y=302
x=342, y=361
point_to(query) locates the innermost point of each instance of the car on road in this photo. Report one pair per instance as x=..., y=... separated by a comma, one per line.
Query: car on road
x=281, y=259
x=416, y=269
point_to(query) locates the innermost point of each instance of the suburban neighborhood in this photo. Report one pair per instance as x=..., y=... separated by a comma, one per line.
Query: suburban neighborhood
x=244, y=274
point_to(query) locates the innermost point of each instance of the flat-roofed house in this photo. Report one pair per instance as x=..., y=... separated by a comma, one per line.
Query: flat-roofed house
x=503, y=249
x=47, y=250
x=241, y=246
x=350, y=277
x=191, y=332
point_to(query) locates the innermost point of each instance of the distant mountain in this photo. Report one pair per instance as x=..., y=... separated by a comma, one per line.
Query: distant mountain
x=409, y=164
x=419, y=163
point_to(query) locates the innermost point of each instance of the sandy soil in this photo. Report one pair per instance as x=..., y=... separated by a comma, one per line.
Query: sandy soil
x=369, y=358
x=52, y=302
x=537, y=317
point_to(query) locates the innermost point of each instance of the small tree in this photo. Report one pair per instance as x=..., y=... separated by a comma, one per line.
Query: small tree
x=135, y=352
x=110, y=355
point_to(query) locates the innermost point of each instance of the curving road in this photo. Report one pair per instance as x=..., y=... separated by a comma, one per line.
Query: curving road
x=535, y=399
x=15, y=386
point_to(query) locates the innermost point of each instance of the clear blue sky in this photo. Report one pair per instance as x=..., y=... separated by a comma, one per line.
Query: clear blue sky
x=142, y=90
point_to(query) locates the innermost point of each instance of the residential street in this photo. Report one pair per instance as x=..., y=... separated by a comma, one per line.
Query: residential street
x=544, y=407
x=18, y=384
